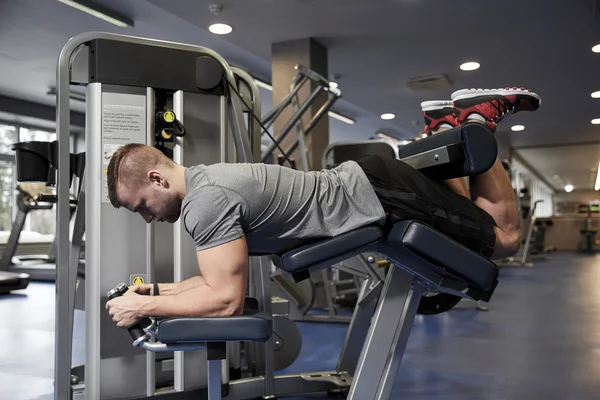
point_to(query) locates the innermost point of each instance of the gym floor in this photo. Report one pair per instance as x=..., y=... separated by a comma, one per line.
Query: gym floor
x=540, y=340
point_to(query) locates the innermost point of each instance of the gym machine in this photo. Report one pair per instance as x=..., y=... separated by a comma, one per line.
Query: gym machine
x=155, y=92
x=367, y=368
x=39, y=267
x=432, y=302
x=322, y=85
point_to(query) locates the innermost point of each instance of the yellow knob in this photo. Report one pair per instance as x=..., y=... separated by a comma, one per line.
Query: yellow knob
x=169, y=116
x=165, y=134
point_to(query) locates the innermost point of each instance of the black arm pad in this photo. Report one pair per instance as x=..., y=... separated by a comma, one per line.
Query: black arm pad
x=466, y=150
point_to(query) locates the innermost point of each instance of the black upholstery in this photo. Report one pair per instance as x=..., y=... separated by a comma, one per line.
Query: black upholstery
x=444, y=252
x=315, y=253
x=472, y=147
x=252, y=326
x=406, y=237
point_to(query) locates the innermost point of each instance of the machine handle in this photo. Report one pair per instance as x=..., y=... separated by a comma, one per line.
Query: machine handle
x=136, y=331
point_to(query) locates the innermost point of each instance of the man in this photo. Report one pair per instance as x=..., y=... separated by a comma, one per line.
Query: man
x=231, y=210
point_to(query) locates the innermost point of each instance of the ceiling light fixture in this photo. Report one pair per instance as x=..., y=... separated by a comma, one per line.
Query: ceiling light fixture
x=597, y=186
x=470, y=66
x=596, y=121
x=517, y=128
x=596, y=95
x=100, y=12
x=569, y=188
x=388, y=116
x=220, y=29
x=596, y=48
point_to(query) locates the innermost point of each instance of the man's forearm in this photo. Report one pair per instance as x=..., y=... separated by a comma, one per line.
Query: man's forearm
x=170, y=289
x=197, y=301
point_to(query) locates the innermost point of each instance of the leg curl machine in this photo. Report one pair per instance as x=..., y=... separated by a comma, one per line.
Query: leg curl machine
x=421, y=259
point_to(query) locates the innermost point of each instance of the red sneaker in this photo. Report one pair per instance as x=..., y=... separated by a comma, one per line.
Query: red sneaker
x=493, y=105
x=437, y=114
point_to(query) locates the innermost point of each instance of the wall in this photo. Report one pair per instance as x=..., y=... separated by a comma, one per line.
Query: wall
x=564, y=234
x=581, y=196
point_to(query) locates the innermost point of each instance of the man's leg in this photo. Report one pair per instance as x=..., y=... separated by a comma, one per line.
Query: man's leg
x=491, y=191
x=440, y=115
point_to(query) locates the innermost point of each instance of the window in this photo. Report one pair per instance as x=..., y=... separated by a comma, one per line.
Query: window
x=6, y=195
x=30, y=135
x=8, y=136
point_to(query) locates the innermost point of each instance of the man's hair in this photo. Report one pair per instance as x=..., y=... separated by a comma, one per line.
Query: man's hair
x=129, y=166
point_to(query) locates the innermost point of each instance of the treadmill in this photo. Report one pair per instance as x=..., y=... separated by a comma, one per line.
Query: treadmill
x=39, y=267
x=36, y=163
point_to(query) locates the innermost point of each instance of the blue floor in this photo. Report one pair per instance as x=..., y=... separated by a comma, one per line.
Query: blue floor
x=540, y=340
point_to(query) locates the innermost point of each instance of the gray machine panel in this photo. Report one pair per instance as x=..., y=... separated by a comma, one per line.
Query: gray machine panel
x=116, y=243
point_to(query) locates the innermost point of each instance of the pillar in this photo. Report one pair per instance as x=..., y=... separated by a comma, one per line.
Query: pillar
x=311, y=54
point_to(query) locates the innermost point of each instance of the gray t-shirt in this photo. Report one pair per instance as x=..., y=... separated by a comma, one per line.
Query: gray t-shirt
x=276, y=208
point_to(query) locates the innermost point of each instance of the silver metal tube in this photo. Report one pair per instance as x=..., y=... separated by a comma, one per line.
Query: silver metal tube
x=254, y=128
x=239, y=130
x=64, y=290
x=159, y=347
x=150, y=235
x=178, y=268
x=387, y=337
x=224, y=129
x=214, y=379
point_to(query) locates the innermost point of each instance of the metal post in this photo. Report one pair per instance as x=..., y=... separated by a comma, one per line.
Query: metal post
x=214, y=379
x=150, y=237
x=178, y=268
x=387, y=338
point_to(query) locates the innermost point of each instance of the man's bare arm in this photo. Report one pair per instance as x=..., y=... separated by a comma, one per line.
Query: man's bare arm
x=169, y=289
x=224, y=270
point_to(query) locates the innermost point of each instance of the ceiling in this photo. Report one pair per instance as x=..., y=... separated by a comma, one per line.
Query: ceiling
x=375, y=46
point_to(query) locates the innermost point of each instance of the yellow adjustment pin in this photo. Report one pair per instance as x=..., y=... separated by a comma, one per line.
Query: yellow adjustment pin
x=169, y=116
x=166, y=135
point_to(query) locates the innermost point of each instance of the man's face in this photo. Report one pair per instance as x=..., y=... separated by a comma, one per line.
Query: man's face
x=153, y=202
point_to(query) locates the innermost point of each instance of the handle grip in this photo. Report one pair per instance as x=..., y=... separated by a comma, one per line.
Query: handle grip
x=136, y=331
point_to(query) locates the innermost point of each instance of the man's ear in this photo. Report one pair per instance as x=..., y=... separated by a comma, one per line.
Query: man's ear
x=155, y=177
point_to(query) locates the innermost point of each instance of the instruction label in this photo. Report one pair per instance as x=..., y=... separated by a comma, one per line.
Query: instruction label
x=123, y=122
x=137, y=279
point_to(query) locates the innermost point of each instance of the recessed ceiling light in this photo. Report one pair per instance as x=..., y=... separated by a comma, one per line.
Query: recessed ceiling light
x=220, y=29
x=388, y=116
x=517, y=128
x=470, y=66
x=596, y=48
x=596, y=121
x=596, y=95
x=333, y=85
x=569, y=188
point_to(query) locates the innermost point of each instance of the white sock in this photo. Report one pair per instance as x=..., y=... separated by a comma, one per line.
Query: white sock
x=444, y=125
x=476, y=116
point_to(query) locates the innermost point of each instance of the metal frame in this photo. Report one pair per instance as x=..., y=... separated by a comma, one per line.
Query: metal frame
x=298, y=110
x=66, y=277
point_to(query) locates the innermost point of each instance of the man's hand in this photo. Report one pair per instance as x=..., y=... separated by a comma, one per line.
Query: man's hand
x=125, y=310
x=144, y=289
